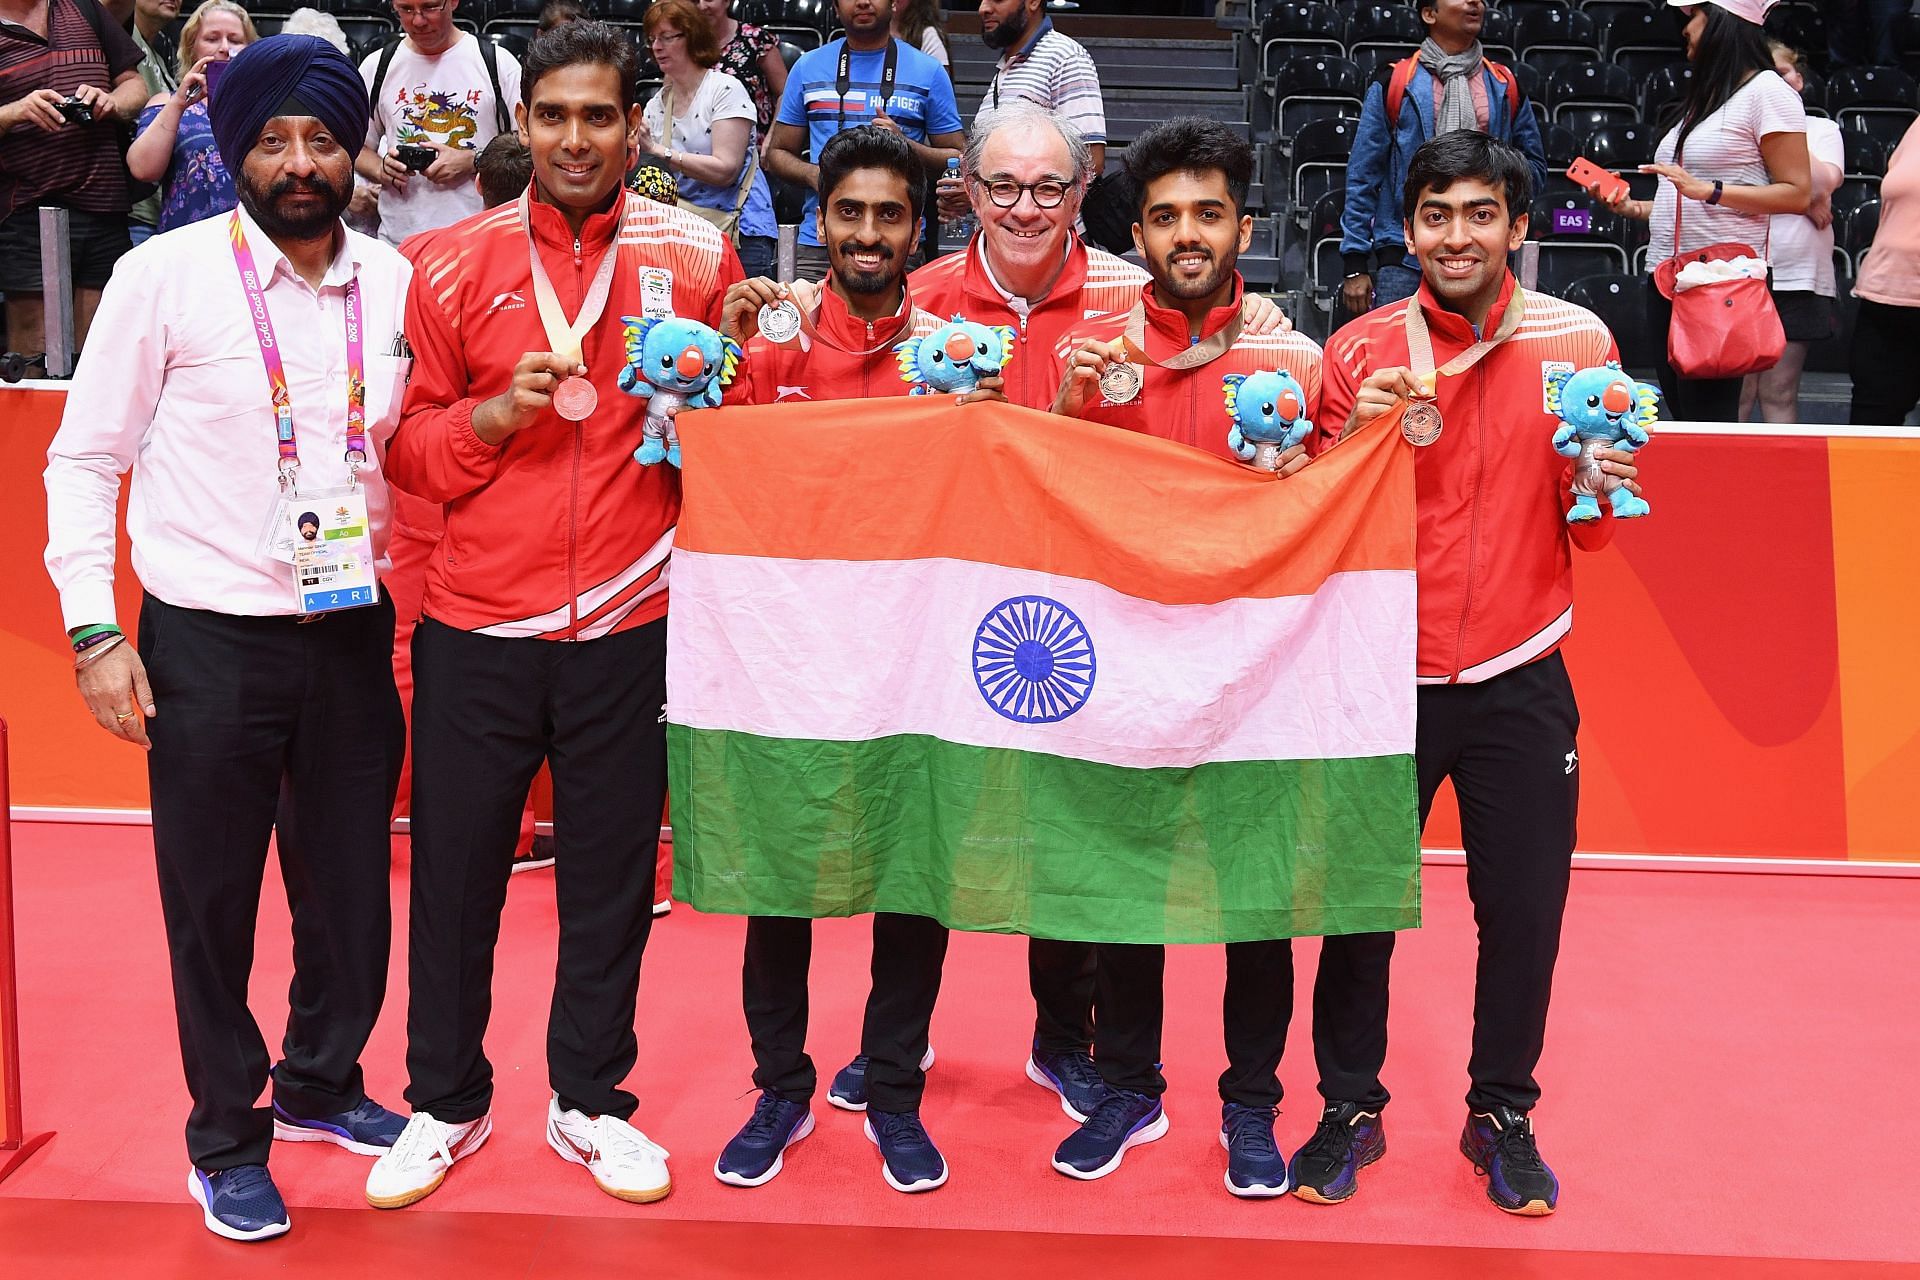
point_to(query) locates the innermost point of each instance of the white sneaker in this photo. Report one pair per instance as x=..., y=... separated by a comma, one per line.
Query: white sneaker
x=625, y=1163
x=663, y=906
x=417, y=1163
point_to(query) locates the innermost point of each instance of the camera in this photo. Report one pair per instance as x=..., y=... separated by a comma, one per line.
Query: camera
x=414, y=156
x=75, y=110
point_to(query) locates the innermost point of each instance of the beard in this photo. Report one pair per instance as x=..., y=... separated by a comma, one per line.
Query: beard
x=865, y=282
x=1009, y=33
x=265, y=207
x=1170, y=286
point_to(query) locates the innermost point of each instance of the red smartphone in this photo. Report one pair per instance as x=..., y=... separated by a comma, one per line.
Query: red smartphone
x=1609, y=186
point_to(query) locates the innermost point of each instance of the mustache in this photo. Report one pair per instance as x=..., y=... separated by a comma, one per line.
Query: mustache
x=316, y=185
x=884, y=251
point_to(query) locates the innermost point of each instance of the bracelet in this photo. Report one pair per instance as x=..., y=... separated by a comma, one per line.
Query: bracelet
x=99, y=638
x=94, y=655
x=1719, y=189
x=83, y=636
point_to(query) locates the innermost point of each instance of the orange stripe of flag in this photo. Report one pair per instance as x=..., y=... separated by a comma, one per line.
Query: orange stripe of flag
x=904, y=480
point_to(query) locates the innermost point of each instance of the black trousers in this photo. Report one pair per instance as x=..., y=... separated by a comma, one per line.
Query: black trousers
x=267, y=726
x=486, y=712
x=1255, y=1008
x=1688, y=399
x=1886, y=376
x=908, y=954
x=1509, y=745
x=1061, y=976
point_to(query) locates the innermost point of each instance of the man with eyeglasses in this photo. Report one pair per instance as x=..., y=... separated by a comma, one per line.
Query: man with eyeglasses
x=439, y=95
x=865, y=77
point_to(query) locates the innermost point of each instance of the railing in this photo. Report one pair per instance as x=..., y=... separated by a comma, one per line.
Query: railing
x=15, y=1145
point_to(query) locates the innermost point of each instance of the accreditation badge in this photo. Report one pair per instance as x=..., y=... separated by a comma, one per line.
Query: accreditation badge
x=333, y=561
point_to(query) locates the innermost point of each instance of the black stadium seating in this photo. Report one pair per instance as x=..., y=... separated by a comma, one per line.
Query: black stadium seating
x=1315, y=87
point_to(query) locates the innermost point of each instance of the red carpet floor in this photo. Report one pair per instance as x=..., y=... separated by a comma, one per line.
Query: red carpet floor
x=1730, y=1075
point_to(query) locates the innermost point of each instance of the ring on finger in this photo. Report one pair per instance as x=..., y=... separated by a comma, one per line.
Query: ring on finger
x=123, y=716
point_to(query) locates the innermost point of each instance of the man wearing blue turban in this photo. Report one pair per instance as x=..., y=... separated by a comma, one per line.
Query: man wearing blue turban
x=269, y=711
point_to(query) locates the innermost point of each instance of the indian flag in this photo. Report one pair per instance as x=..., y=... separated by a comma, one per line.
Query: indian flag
x=1029, y=675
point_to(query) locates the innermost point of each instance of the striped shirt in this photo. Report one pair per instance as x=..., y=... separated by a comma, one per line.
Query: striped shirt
x=1057, y=73
x=80, y=165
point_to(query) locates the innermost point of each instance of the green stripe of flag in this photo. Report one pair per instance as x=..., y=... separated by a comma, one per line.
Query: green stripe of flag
x=1019, y=842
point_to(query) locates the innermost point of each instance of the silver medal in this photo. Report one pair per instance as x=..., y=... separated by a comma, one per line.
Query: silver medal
x=779, y=321
x=1121, y=381
x=1421, y=423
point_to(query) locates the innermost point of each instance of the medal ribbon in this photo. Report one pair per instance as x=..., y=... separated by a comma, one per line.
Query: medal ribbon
x=1420, y=341
x=285, y=439
x=1205, y=351
x=565, y=338
x=810, y=329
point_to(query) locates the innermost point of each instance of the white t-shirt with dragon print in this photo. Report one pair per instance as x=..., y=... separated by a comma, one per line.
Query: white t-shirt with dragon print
x=445, y=98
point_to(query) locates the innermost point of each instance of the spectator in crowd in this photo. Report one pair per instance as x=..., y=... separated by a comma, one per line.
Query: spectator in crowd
x=1860, y=32
x=363, y=214
x=700, y=127
x=750, y=55
x=918, y=22
x=1041, y=66
x=1737, y=156
x=438, y=95
x=865, y=77
x=503, y=170
x=1800, y=247
x=160, y=72
x=1450, y=84
x=555, y=12
x=69, y=78
x=1886, y=337
x=176, y=147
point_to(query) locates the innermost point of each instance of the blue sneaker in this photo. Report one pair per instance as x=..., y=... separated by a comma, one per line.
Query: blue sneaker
x=1255, y=1167
x=1348, y=1139
x=1122, y=1119
x=849, y=1089
x=367, y=1130
x=908, y=1159
x=758, y=1150
x=1500, y=1144
x=240, y=1203
x=1073, y=1076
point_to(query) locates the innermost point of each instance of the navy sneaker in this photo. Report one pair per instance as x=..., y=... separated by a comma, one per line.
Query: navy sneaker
x=367, y=1130
x=240, y=1203
x=908, y=1159
x=1348, y=1139
x=1072, y=1075
x=1255, y=1167
x=1500, y=1144
x=757, y=1151
x=1121, y=1120
x=849, y=1089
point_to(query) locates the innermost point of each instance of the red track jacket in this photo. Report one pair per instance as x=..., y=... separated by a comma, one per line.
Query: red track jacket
x=849, y=359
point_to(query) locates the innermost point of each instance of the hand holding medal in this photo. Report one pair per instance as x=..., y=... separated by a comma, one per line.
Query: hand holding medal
x=1097, y=373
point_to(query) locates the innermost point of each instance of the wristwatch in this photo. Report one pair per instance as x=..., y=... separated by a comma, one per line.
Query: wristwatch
x=1719, y=189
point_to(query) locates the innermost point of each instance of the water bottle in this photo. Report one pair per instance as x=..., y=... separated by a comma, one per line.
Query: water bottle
x=955, y=232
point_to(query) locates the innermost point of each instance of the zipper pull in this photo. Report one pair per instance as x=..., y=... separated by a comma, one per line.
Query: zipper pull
x=576, y=251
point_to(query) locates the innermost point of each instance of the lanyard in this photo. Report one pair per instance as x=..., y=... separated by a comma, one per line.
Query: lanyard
x=1204, y=351
x=1420, y=342
x=276, y=367
x=563, y=337
x=843, y=79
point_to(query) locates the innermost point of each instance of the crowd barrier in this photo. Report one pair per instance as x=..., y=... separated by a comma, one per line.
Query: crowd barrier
x=1743, y=657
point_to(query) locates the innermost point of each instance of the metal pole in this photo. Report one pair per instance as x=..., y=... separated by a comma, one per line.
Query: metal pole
x=56, y=290
x=1529, y=264
x=15, y=1145
x=783, y=265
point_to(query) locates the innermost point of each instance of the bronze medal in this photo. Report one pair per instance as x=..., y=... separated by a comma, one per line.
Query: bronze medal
x=574, y=399
x=1421, y=423
x=1121, y=381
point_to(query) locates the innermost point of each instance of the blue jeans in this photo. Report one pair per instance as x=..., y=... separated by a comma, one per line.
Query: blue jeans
x=1394, y=284
x=756, y=255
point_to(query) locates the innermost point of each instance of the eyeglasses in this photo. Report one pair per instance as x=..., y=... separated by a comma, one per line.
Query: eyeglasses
x=665, y=37
x=421, y=10
x=1047, y=193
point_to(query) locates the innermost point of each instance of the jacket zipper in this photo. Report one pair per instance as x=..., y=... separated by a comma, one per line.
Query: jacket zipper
x=1473, y=521
x=573, y=493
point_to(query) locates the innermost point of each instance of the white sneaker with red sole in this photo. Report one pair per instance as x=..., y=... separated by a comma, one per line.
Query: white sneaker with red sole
x=418, y=1162
x=625, y=1163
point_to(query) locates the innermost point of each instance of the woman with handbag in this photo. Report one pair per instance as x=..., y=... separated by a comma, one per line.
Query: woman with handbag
x=1736, y=156
x=700, y=127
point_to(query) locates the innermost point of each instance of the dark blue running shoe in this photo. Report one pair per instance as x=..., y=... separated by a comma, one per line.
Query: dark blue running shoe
x=1121, y=1120
x=240, y=1203
x=1072, y=1075
x=757, y=1151
x=849, y=1089
x=1347, y=1140
x=1500, y=1144
x=1255, y=1167
x=908, y=1159
x=367, y=1130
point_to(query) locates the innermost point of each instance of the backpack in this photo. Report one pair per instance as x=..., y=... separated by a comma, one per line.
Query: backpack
x=489, y=54
x=1402, y=76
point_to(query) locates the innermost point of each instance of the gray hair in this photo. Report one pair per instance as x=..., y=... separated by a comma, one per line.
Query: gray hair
x=312, y=22
x=1023, y=114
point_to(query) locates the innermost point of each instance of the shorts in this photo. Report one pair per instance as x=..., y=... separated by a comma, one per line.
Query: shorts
x=97, y=240
x=1805, y=315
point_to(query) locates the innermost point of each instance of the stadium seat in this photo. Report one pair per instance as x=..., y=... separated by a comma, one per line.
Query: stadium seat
x=752, y=11
x=1620, y=300
x=513, y=42
x=509, y=15
x=1799, y=27
x=1853, y=230
x=790, y=53
x=1558, y=30
x=1653, y=30
x=1300, y=26
x=1320, y=152
x=1385, y=26
x=1866, y=155
x=1607, y=12
x=1496, y=36
x=1561, y=144
x=1590, y=95
x=1375, y=61
x=1325, y=267
x=1548, y=61
x=366, y=33
x=1874, y=100
x=1664, y=86
x=1852, y=194
x=1310, y=87
x=621, y=13
x=1620, y=147
x=267, y=24
x=1533, y=83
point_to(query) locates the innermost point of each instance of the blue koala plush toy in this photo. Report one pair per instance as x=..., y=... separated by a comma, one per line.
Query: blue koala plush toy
x=1600, y=408
x=954, y=357
x=1266, y=409
x=672, y=362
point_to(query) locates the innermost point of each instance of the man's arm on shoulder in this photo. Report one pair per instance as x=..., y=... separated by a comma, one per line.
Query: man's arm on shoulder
x=434, y=453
